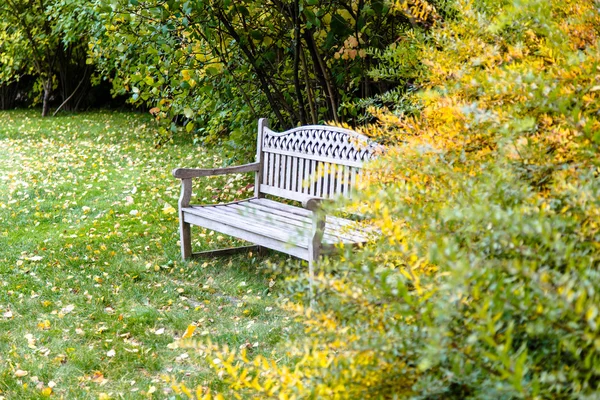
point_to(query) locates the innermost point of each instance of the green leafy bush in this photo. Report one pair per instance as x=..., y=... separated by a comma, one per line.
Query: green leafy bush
x=222, y=64
x=484, y=282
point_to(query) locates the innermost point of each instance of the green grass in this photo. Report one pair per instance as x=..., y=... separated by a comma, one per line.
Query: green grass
x=92, y=292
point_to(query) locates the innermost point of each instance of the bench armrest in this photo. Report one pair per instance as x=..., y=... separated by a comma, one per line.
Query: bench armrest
x=314, y=203
x=188, y=173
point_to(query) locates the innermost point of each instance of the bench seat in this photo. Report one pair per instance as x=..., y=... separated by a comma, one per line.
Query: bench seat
x=275, y=225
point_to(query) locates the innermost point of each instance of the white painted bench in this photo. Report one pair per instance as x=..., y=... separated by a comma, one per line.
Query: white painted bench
x=307, y=164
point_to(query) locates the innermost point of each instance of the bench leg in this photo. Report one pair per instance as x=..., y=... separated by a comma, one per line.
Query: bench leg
x=311, y=278
x=186, y=240
x=262, y=251
x=184, y=227
x=314, y=251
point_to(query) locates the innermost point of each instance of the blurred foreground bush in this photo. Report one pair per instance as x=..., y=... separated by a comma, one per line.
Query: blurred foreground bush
x=485, y=281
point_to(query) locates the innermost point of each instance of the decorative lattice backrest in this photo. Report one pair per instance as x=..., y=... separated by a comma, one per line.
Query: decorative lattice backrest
x=311, y=161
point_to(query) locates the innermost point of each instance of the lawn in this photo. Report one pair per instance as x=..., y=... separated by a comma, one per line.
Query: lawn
x=92, y=291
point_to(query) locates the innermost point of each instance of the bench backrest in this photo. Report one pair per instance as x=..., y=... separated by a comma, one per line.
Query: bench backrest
x=310, y=161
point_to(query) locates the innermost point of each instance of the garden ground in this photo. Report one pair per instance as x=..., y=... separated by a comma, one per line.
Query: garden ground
x=92, y=293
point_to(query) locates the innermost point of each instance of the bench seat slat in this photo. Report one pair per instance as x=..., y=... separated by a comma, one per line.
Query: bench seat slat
x=259, y=239
x=338, y=233
x=365, y=231
x=268, y=226
x=257, y=226
x=297, y=229
x=289, y=226
x=341, y=224
x=293, y=226
x=302, y=211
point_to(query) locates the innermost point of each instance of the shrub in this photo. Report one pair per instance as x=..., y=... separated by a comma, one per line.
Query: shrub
x=484, y=282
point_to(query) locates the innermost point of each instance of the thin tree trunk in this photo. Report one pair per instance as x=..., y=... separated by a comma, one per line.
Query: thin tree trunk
x=82, y=95
x=297, y=50
x=311, y=98
x=47, y=90
x=74, y=91
x=322, y=73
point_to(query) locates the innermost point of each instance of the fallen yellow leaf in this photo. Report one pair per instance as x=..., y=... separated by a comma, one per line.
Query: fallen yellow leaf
x=189, y=331
x=168, y=209
x=44, y=325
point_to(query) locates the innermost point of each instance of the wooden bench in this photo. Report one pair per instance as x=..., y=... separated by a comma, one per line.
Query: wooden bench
x=308, y=164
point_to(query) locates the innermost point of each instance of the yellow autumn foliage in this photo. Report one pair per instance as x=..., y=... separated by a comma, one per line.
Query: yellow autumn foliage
x=484, y=280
